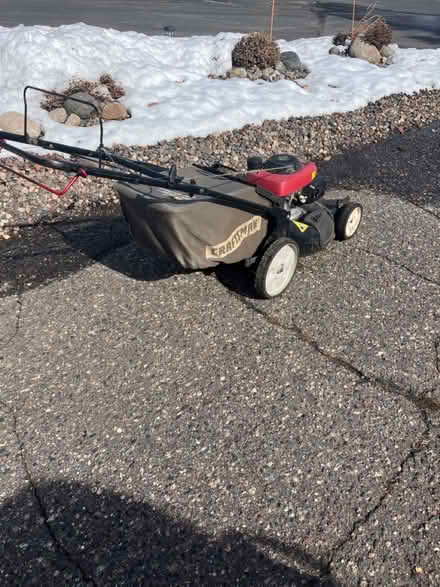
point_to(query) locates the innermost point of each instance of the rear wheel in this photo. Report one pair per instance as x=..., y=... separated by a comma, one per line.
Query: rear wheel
x=276, y=268
x=347, y=221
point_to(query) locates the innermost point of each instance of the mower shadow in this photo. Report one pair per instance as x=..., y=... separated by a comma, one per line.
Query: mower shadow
x=109, y=242
x=82, y=536
x=52, y=252
x=47, y=253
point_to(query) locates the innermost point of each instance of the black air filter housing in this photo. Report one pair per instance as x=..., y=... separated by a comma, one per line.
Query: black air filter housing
x=283, y=163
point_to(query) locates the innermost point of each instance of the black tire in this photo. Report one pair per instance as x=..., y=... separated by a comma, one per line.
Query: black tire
x=269, y=282
x=347, y=221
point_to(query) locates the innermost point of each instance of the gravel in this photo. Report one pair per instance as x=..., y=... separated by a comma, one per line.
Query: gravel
x=319, y=138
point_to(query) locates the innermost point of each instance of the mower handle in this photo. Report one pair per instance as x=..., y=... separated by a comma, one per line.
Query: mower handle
x=101, y=130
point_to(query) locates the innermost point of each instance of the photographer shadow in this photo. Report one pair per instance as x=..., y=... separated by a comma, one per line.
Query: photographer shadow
x=62, y=532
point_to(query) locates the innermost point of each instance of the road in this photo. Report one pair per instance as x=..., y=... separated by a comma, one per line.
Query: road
x=160, y=427
x=413, y=26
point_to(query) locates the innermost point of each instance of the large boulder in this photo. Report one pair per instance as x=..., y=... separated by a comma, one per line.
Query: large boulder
x=365, y=51
x=292, y=62
x=14, y=122
x=84, y=111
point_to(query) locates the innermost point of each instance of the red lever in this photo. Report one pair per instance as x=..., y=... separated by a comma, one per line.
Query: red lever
x=81, y=173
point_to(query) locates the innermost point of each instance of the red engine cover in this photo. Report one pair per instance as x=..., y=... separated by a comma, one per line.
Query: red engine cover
x=283, y=185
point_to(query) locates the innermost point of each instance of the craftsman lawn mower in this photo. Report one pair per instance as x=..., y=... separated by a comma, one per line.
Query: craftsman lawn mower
x=202, y=216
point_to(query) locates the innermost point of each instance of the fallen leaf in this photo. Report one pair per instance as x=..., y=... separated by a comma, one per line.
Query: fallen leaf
x=152, y=104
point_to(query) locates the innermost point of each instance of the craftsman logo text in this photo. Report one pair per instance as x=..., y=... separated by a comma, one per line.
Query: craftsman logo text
x=234, y=241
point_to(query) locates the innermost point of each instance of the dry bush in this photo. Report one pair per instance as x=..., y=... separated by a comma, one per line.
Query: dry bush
x=255, y=50
x=50, y=102
x=379, y=34
x=370, y=28
x=373, y=29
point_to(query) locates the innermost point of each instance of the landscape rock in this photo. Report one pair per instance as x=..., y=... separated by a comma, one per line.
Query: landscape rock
x=276, y=76
x=254, y=73
x=59, y=115
x=238, y=72
x=267, y=73
x=103, y=92
x=337, y=50
x=14, y=122
x=82, y=110
x=292, y=62
x=280, y=67
x=294, y=75
x=73, y=120
x=364, y=51
x=386, y=51
x=114, y=111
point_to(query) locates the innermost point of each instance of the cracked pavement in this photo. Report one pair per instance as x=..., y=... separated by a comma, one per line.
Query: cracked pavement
x=166, y=428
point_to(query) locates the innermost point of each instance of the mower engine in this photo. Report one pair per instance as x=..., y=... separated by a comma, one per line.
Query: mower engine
x=286, y=181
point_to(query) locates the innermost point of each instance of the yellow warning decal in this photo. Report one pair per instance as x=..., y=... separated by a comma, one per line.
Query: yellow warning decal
x=302, y=227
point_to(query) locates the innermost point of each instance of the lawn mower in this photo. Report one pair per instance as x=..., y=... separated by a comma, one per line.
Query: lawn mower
x=202, y=216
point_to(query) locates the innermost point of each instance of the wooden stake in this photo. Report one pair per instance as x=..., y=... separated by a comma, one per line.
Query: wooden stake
x=352, y=19
x=271, y=18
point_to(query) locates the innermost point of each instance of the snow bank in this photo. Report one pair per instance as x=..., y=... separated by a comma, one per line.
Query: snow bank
x=173, y=72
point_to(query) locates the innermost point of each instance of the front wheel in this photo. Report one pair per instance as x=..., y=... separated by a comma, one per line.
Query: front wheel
x=276, y=268
x=347, y=221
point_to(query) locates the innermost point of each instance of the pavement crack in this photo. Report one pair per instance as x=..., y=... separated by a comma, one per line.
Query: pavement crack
x=59, y=546
x=399, y=265
x=392, y=482
x=423, y=209
x=421, y=402
x=437, y=354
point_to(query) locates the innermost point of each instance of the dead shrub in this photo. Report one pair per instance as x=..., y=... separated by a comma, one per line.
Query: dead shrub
x=116, y=91
x=255, y=50
x=379, y=34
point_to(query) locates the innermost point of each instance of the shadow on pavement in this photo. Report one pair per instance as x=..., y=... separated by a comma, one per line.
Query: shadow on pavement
x=405, y=165
x=421, y=27
x=51, y=253
x=93, y=536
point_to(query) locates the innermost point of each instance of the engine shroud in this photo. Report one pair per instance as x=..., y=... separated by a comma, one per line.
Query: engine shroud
x=283, y=185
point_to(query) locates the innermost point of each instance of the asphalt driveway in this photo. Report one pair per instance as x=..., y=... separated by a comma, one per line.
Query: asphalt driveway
x=166, y=428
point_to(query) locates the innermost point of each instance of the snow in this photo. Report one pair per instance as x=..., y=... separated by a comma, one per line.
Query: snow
x=166, y=81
